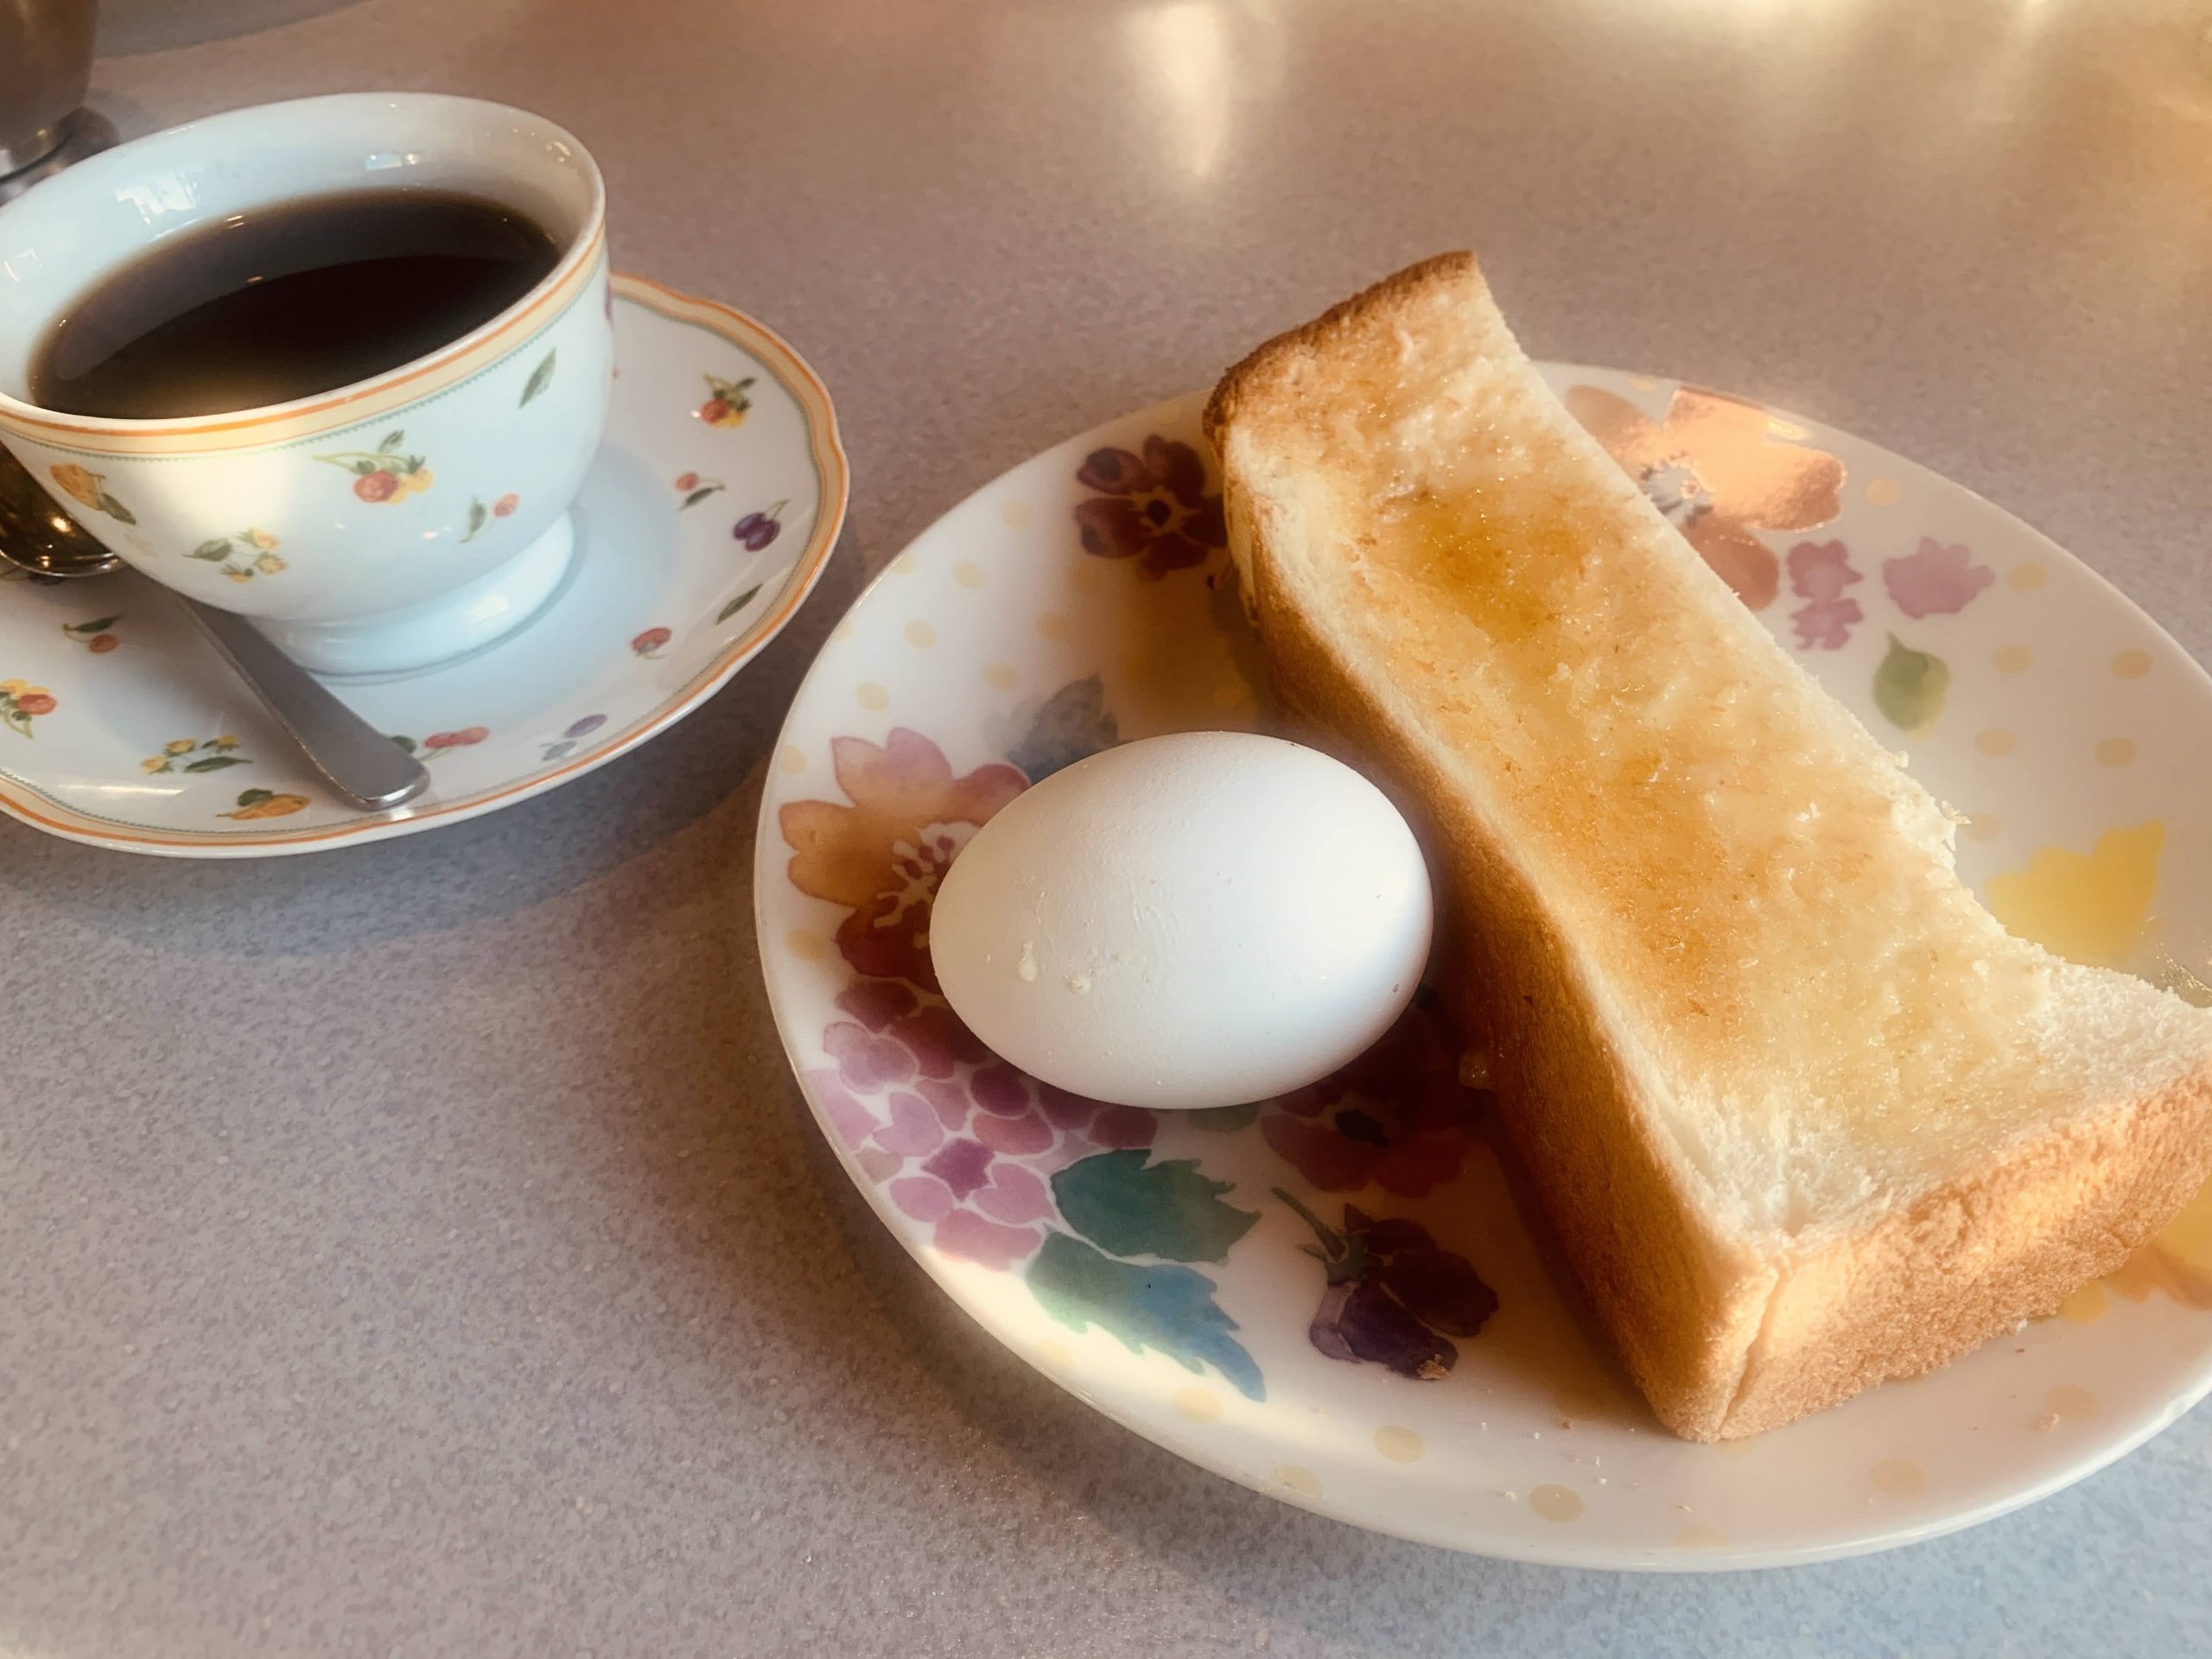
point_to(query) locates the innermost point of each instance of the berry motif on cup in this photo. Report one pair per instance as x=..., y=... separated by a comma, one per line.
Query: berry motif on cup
x=94, y=636
x=438, y=742
x=737, y=604
x=386, y=473
x=90, y=489
x=648, y=643
x=244, y=555
x=726, y=404
x=540, y=378
x=696, y=489
x=265, y=804
x=196, y=754
x=479, y=515
x=757, y=530
x=564, y=745
x=19, y=701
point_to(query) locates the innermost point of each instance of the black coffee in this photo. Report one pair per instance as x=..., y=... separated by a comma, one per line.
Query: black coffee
x=287, y=302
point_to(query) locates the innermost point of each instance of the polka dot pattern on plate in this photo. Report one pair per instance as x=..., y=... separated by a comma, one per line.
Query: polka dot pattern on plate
x=2070, y=1400
x=1899, y=1477
x=1399, y=1445
x=1200, y=1405
x=1556, y=1503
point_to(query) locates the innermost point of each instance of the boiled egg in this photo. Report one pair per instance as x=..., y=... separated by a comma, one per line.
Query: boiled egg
x=1188, y=921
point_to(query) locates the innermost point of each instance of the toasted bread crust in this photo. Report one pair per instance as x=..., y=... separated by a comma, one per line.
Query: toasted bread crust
x=1726, y=1335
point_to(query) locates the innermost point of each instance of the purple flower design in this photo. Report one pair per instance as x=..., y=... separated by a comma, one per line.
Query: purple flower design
x=959, y=1140
x=1939, y=580
x=1153, y=507
x=1391, y=1295
x=1819, y=572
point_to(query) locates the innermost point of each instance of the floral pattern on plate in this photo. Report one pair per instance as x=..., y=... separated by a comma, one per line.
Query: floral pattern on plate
x=1005, y=1171
x=729, y=402
x=1334, y=1296
x=1721, y=470
x=195, y=754
x=97, y=635
x=21, y=703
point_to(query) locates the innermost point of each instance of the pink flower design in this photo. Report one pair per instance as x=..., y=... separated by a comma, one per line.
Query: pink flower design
x=1154, y=508
x=960, y=1141
x=865, y=1062
x=1819, y=571
x=881, y=857
x=1936, y=580
x=1715, y=468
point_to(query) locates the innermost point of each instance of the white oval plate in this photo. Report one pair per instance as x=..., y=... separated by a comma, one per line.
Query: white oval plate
x=120, y=725
x=1160, y=1267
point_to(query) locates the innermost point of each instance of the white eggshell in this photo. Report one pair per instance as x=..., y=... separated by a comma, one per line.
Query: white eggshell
x=1187, y=921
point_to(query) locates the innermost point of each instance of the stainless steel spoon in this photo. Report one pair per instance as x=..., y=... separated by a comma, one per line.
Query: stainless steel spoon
x=361, y=762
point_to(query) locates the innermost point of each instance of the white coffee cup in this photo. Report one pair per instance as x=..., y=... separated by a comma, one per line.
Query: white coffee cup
x=380, y=526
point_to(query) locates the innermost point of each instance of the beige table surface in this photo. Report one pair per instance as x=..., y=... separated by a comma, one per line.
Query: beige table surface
x=422, y=1249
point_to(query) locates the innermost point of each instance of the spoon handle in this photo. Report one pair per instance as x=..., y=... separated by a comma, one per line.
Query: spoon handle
x=361, y=763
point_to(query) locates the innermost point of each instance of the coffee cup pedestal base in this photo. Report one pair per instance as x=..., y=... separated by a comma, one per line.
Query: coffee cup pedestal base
x=438, y=630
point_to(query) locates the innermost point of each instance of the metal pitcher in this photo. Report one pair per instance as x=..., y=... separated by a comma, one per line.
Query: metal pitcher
x=46, y=64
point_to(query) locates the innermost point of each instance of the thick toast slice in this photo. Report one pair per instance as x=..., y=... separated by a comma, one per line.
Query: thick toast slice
x=1803, y=1115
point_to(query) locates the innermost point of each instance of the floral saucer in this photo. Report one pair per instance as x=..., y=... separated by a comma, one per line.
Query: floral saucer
x=1335, y=1296
x=708, y=514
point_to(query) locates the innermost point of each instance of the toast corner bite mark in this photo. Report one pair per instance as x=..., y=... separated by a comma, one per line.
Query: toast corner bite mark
x=1802, y=1115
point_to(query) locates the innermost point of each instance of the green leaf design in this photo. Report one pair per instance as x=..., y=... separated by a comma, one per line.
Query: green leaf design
x=256, y=797
x=736, y=605
x=540, y=378
x=699, y=495
x=1072, y=724
x=390, y=440
x=1910, y=687
x=1161, y=1306
x=220, y=547
x=1222, y=1120
x=98, y=624
x=478, y=513
x=406, y=743
x=17, y=720
x=215, y=763
x=115, y=509
x=1128, y=1207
